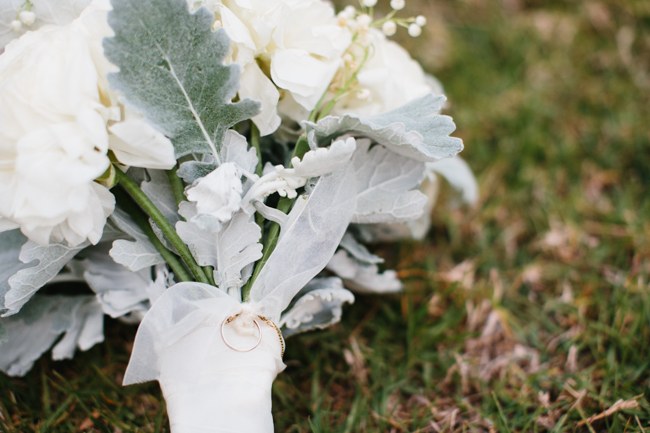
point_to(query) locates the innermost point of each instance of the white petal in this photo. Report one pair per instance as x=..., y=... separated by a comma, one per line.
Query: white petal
x=135, y=143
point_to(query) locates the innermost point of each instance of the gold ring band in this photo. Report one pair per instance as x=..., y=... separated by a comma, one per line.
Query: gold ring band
x=229, y=319
x=266, y=320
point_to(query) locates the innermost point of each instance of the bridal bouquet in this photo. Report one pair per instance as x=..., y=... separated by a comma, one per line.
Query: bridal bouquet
x=213, y=170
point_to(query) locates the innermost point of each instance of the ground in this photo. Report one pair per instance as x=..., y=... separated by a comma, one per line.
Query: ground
x=527, y=313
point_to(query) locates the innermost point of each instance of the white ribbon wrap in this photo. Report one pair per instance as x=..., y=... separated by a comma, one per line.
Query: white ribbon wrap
x=208, y=386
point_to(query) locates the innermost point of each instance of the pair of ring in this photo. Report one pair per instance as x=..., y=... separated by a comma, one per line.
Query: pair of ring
x=266, y=320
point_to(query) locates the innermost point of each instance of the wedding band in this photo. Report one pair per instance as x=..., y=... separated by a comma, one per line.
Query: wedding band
x=272, y=324
x=229, y=319
x=266, y=320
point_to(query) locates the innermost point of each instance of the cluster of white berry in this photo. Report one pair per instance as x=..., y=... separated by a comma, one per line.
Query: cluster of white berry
x=362, y=20
x=26, y=17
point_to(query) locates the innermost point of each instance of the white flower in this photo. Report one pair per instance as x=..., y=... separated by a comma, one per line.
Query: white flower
x=397, y=4
x=390, y=78
x=45, y=12
x=421, y=20
x=59, y=120
x=369, y=3
x=217, y=195
x=299, y=43
x=27, y=17
x=53, y=141
x=414, y=30
x=389, y=28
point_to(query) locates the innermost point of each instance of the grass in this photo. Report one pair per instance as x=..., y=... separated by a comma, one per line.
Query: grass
x=529, y=313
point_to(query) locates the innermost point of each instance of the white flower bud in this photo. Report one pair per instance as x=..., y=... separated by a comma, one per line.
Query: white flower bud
x=348, y=13
x=415, y=30
x=369, y=3
x=397, y=5
x=364, y=21
x=363, y=94
x=389, y=28
x=421, y=20
x=16, y=26
x=27, y=17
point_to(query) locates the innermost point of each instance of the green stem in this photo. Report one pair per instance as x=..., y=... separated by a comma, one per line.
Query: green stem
x=159, y=219
x=270, y=242
x=284, y=205
x=127, y=204
x=176, y=265
x=178, y=188
x=255, y=142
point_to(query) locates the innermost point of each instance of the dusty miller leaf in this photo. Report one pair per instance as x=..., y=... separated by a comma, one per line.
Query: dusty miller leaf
x=416, y=130
x=319, y=306
x=363, y=278
x=28, y=334
x=172, y=71
x=10, y=244
x=135, y=254
x=228, y=251
x=387, y=185
x=159, y=191
x=459, y=175
x=358, y=250
x=49, y=260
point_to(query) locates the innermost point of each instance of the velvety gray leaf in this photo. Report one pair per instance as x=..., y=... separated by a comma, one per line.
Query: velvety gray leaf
x=229, y=251
x=10, y=244
x=30, y=333
x=358, y=250
x=44, y=263
x=236, y=149
x=119, y=290
x=387, y=186
x=363, y=278
x=459, y=175
x=318, y=306
x=172, y=71
x=159, y=191
x=416, y=130
x=135, y=254
x=190, y=171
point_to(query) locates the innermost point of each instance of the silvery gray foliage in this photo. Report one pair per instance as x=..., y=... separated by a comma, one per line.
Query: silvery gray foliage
x=416, y=130
x=174, y=75
x=119, y=290
x=25, y=336
x=362, y=277
x=387, y=186
x=136, y=253
x=308, y=238
x=229, y=250
x=459, y=175
x=159, y=191
x=11, y=241
x=359, y=251
x=317, y=306
x=234, y=149
x=43, y=264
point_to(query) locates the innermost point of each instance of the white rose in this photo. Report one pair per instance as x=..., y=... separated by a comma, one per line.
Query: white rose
x=389, y=79
x=298, y=42
x=53, y=140
x=59, y=119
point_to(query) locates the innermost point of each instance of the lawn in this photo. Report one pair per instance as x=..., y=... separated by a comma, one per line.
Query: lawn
x=527, y=313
